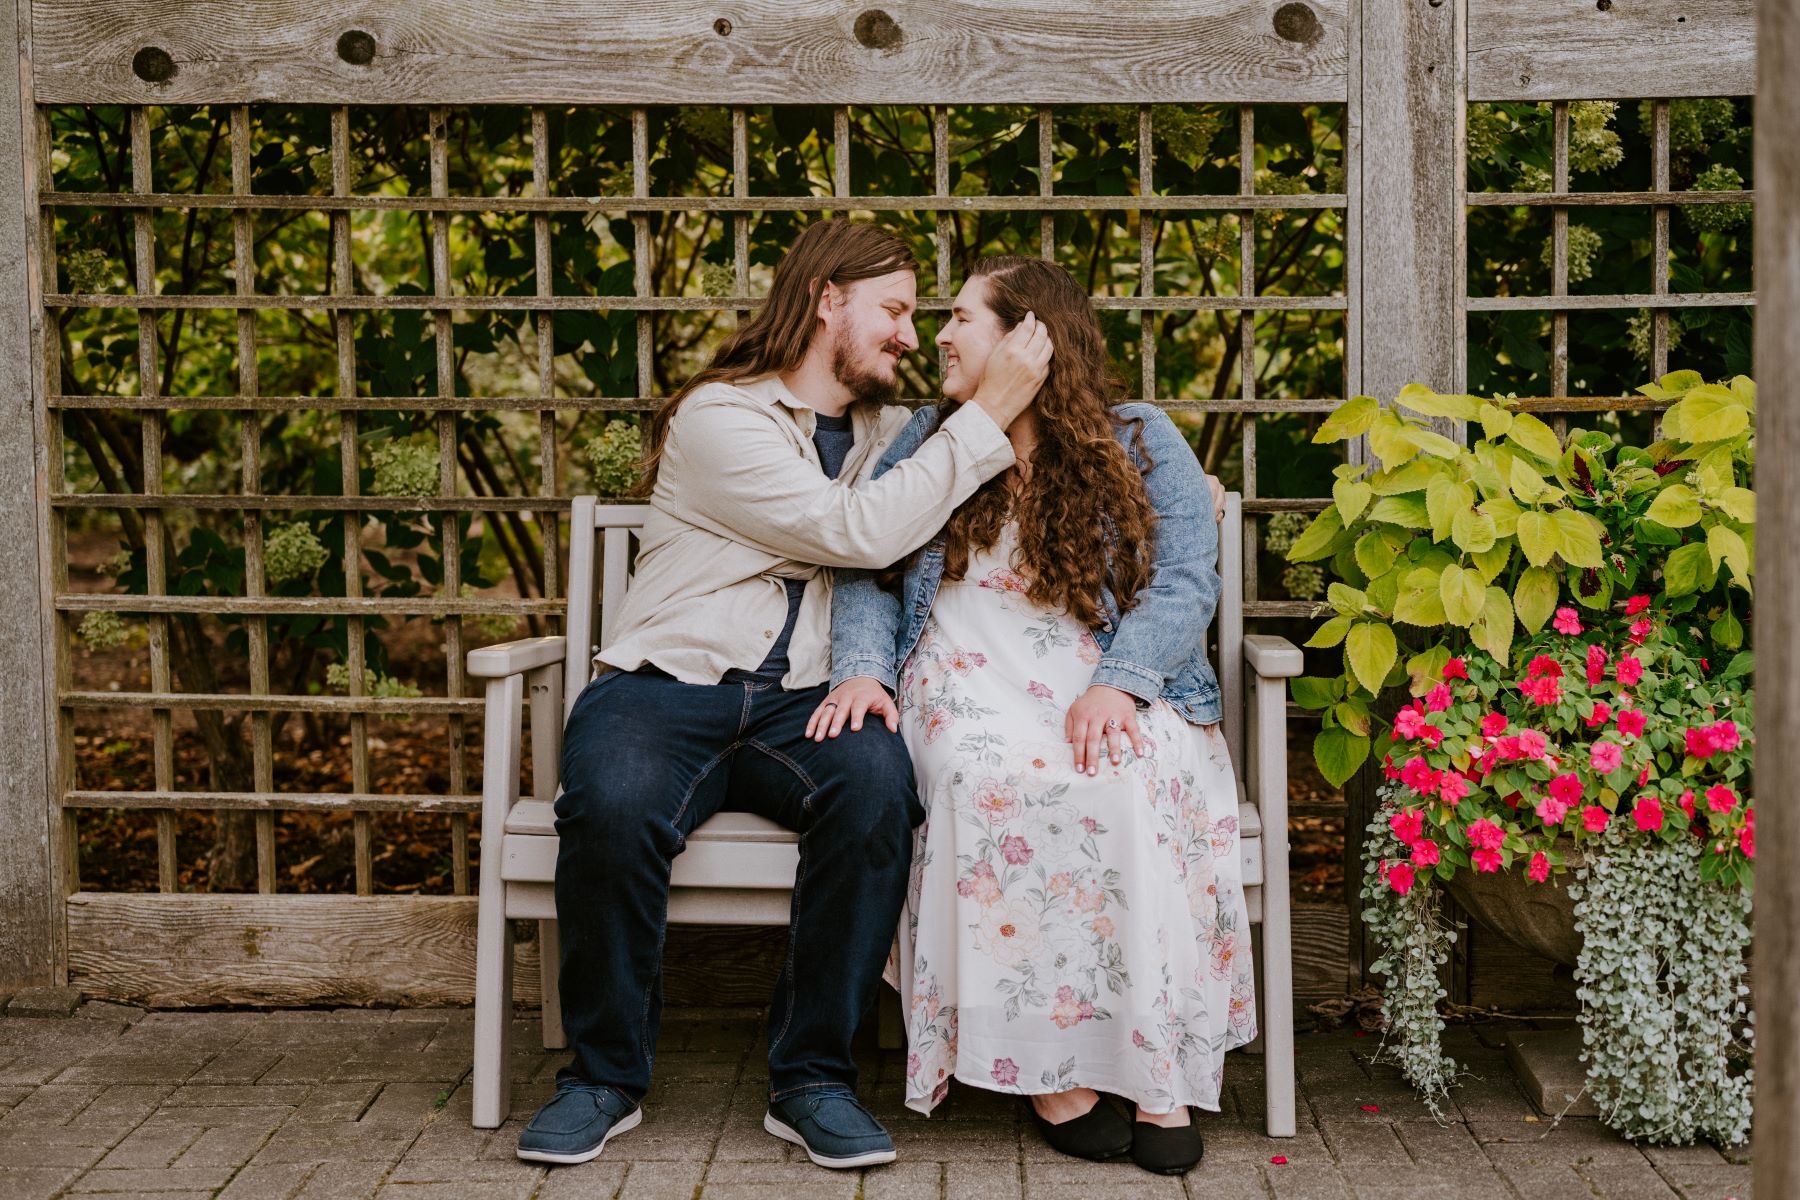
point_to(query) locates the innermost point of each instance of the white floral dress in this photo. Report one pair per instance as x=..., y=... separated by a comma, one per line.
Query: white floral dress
x=1061, y=930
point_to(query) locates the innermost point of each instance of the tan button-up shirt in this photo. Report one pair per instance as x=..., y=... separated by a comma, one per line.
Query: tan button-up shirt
x=742, y=503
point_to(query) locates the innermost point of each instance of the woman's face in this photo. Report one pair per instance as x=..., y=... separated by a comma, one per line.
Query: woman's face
x=967, y=339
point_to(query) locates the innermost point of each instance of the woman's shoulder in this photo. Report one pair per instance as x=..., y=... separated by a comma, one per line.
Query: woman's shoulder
x=1157, y=429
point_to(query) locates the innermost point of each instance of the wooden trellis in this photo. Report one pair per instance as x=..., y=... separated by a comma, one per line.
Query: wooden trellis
x=1403, y=73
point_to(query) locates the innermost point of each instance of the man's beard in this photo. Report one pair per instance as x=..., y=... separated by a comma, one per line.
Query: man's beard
x=862, y=383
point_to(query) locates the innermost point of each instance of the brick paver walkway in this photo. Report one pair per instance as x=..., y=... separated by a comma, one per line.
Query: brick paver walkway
x=279, y=1105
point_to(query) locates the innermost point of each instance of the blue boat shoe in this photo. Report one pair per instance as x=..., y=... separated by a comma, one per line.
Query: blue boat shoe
x=576, y=1124
x=836, y=1130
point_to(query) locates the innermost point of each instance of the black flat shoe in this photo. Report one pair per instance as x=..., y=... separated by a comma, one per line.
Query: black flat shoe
x=1166, y=1151
x=1098, y=1134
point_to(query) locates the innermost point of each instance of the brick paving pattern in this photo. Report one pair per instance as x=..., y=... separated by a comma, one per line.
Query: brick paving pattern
x=287, y=1105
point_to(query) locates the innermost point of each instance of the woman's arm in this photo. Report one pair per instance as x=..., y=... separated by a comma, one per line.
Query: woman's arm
x=1173, y=610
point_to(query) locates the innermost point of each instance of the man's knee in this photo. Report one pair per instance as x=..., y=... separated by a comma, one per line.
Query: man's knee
x=871, y=785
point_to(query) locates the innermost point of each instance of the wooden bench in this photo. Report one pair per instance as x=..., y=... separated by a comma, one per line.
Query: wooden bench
x=738, y=869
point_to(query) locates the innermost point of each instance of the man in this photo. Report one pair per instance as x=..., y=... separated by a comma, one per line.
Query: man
x=722, y=651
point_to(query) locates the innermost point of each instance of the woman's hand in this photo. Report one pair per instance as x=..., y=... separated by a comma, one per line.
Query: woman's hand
x=1218, y=498
x=1016, y=369
x=851, y=701
x=1102, y=715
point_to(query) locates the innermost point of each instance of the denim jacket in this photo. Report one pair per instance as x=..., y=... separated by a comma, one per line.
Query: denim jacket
x=1156, y=649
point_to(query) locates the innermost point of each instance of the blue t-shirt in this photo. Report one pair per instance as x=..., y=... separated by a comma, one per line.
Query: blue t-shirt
x=832, y=436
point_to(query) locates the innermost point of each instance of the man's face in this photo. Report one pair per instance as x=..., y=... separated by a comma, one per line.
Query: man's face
x=967, y=339
x=870, y=324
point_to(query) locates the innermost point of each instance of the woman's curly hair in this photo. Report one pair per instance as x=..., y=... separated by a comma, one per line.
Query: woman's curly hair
x=1084, y=518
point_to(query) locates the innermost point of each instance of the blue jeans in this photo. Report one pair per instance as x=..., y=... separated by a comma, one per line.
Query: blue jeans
x=646, y=759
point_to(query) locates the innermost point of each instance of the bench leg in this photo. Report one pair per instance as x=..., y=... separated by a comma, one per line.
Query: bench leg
x=890, y=1022
x=549, y=970
x=492, y=1075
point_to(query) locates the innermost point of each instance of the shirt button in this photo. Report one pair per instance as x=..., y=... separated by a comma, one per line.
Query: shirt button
x=768, y=633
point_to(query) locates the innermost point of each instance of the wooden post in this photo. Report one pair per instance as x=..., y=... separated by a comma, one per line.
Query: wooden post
x=1777, y=1153
x=31, y=916
x=1406, y=145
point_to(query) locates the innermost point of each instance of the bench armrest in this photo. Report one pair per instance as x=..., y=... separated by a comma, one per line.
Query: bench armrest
x=1273, y=657
x=516, y=657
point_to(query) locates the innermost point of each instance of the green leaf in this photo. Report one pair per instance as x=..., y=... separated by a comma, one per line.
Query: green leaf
x=1346, y=599
x=1710, y=413
x=1493, y=630
x=1728, y=631
x=1391, y=440
x=1474, y=533
x=1535, y=598
x=1353, y=715
x=1419, y=601
x=1677, y=384
x=1369, y=653
x=1534, y=437
x=1443, y=500
x=1727, y=546
x=1413, y=477
x=1330, y=633
x=1426, y=402
x=1462, y=593
x=1495, y=421
x=1408, y=511
x=1675, y=506
x=1537, y=537
x=1351, y=497
x=1426, y=668
x=1505, y=512
x=1687, y=569
x=1739, y=504
x=1493, y=560
x=1350, y=419
x=1315, y=543
x=1529, y=484
x=1578, y=538
x=1339, y=753
x=1312, y=693
x=1740, y=665
x=1375, y=553
x=1435, y=443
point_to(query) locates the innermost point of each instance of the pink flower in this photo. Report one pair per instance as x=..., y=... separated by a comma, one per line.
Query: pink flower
x=1544, y=690
x=1596, y=665
x=1408, y=825
x=1408, y=722
x=1594, y=818
x=1042, y=692
x=1640, y=631
x=1456, y=669
x=1400, y=878
x=1648, y=813
x=1485, y=860
x=1089, y=824
x=1485, y=834
x=1724, y=735
x=1700, y=743
x=1419, y=777
x=1493, y=725
x=1552, y=811
x=1539, y=870
x=1452, y=787
x=1567, y=621
x=1631, y=722
x=1687, y=803
x=1431, y=735
x=1747, y=841
x=1532, y=744
x=1015, y=850
x=1721, y=798
x=1005, y=1072
x=1438, y=699
x=1566, y=787
x=1601, y=715
x=1629, y=670
x=1605, y=757
x=1636, y=605
x=1544, y=666
x=1424, y=853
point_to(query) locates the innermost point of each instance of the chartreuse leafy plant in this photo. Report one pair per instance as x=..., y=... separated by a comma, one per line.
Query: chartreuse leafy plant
x=1438, y=547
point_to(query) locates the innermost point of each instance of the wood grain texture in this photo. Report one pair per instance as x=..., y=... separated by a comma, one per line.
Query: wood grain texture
x=187, y=950
x=1776, y=1150
x=1580, y=50
x=30, y=894
x=638, y=52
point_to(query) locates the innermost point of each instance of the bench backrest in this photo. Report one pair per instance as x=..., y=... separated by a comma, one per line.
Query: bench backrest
x=600, y=554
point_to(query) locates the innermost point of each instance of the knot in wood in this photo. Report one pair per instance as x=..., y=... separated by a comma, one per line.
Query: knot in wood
x=1297, y=23
x=878, y=31
x=153, y=64
x=357, y=47
x=1603, y=5
x=722, y=27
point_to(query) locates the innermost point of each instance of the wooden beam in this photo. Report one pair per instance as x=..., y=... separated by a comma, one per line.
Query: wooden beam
x=912, y=52
x=31, y=931
x=1777, y=633
x=1610, y=49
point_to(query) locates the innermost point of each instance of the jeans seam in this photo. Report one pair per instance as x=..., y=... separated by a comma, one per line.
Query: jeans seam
x=812, y=789
x=793, y=938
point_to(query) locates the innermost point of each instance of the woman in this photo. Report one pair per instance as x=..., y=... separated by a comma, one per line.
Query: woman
x=1075, y=922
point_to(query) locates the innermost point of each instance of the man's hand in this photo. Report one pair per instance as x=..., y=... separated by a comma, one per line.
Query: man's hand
x=1218, y=497
x=1015, y=371
x=851, y=701
x=1102, y=715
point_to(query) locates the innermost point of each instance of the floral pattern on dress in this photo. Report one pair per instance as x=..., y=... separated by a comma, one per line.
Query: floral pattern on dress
x=1061, y=930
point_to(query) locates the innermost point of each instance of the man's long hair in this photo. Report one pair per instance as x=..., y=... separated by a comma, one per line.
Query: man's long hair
x=1084, y=517
x=776, y=338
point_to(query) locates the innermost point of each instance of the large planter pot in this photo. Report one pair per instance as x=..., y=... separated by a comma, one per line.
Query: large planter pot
x=1538, y=916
